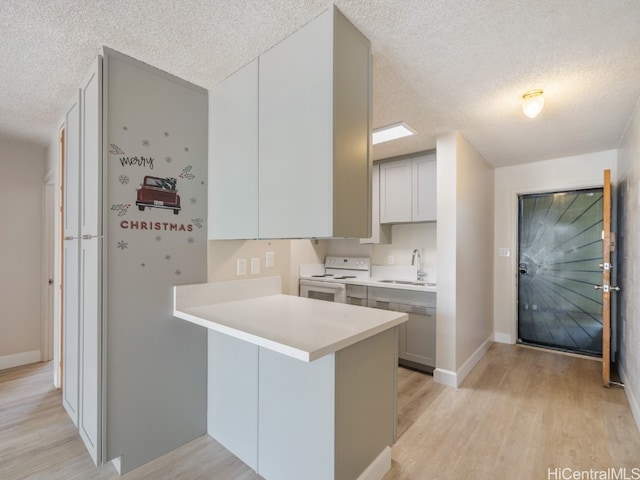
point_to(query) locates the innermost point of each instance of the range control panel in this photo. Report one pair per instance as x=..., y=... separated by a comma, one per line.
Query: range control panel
x=348, y=263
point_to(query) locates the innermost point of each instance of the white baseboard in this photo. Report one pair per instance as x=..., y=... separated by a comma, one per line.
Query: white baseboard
x=379, y=467
x=454, y=379
x=633, y=401
x=445, y=377
x=117, y=464
x=471, y=362
x=500, y=337
x=18, y=359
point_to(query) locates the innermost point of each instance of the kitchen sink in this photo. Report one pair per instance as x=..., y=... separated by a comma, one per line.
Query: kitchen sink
x=409, y=282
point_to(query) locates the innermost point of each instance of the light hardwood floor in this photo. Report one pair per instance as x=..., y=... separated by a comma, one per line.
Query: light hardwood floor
x=519, y=413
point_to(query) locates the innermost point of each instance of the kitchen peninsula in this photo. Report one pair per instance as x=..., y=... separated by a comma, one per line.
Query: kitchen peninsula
x=297, y=388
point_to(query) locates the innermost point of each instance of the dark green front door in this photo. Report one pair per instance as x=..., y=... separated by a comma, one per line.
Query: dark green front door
x=559, y=252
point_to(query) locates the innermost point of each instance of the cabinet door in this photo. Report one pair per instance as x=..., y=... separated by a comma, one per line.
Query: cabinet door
x=424, y=189
x=421, y=336
x=395, y=192
x=90, y=288
x=233, y=157
x=379, y=233
x=71, y=259
x=296, y=134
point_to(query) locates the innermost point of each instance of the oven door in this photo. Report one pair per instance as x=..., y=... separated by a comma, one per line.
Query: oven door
x=332, y=292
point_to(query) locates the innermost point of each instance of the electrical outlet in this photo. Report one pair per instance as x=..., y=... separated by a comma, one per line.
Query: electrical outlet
x=390, y=260
x=242, y=266
x=255, y=266
x=270, y=260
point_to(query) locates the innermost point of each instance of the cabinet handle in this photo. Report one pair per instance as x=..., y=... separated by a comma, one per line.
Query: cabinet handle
x=69, y=238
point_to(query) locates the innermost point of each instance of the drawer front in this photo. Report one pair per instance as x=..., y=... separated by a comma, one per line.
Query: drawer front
x=399, y=295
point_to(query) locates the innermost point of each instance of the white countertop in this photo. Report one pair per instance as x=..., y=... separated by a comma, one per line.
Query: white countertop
x=302, y=328
x=378, y=282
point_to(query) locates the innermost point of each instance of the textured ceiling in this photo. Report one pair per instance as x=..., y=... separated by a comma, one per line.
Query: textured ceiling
x=438, y=65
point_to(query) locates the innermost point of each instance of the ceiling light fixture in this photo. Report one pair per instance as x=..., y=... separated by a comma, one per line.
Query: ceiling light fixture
x=532, y=103
x=391, y=132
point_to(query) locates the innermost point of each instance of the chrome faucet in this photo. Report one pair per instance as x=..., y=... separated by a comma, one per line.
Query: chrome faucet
x=421, y=274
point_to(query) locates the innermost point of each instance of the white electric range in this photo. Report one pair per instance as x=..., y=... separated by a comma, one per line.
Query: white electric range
x=331, y=284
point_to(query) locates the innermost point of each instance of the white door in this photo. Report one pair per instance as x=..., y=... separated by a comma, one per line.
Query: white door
x=71, y=280
x=90, y=420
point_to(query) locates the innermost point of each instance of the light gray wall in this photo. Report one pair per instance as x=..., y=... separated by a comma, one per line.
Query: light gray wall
x=474, y=259
x=628, y=193
x=465, y=258
x=21, y=207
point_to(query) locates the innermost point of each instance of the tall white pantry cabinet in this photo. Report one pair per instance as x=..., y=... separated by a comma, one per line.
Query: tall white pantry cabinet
x=135, y=196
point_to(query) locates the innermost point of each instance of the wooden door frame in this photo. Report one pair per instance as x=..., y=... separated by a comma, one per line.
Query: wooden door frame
x=606, y=280
x=48, y=268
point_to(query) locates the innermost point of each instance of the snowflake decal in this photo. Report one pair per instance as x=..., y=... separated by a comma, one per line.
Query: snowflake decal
x=197, y=222
x=115, y=149
x=143, y=265
x=121, y=208
x=146, y=143
x=190, y=240
x=186, y=149
x=122, y=245
x=158, y=238
x=178, y=272
x=167, y=159
x=167, y=257
x=125, y=128
x=186, y=173
x=166, y=134
x=193, y=201
x=202, y=182
x=124, y=179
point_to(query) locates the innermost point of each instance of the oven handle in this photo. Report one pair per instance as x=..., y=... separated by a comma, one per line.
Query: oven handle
x=321, y=284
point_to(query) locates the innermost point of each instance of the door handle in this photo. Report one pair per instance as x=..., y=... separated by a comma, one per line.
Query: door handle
x=606, y=288
x=522, y=268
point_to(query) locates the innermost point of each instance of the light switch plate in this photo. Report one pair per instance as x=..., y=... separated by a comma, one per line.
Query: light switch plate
x=270, y=260
x=242, y=266
x=255, y=266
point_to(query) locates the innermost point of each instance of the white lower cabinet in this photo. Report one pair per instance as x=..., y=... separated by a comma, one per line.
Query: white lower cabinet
x=417, y=337
x=71, y=332
x=289, y=419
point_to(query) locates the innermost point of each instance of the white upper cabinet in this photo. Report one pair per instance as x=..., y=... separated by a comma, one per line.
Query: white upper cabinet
x=408, y=190
x=395, y=191
x=233, y=157
x=379, y=233
x=423, y=192
x=301, y=168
